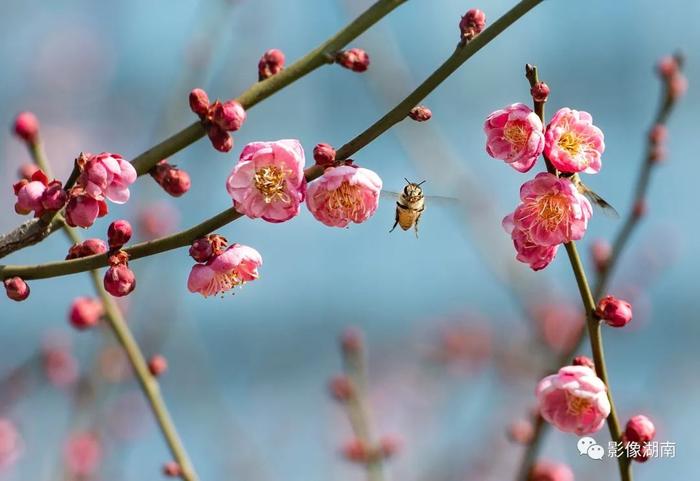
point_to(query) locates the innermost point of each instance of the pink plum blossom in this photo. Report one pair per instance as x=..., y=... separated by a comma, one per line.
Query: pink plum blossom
x=38, y=195
x=573, y=143
x=515, y=135
x=82, y=209
x=108, y=176
x=574, y=400
x=344, y=194
x=83, y=454
x=11, y=444
x=536, y=256
x=268, y=180
x=552, y=211
x=234, y=267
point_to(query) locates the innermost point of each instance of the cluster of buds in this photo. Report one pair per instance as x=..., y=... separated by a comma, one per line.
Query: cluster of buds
x=669, y=69
x=358, y=451
x=271, y=63
x=614, y=312
x=354, y=59
x=204, y=249
x=420, y=113
x=119, y=280
x=173, y=180
x=471, y=24
x=639, y=430
x=218, y=118
x=102, y=177
x=89, y=247
x=38, y=195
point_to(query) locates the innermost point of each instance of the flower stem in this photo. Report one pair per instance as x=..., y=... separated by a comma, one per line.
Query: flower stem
x=186, y=237
x=121, y=330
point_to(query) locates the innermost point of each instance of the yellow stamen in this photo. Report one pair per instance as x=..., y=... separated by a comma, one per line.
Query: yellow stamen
x=553, y=210
x=576, y=405
x=571, y=143
x=346, y=199
x=515, y=134
x=269, y=181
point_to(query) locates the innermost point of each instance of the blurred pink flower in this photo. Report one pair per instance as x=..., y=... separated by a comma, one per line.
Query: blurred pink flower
x=60, y=366
x=551, y=471
x=560, y=324
x=344, y=194
x=107, y=175
x=158, y=219
x=82, y=454
x=552, y=210
x=235, y=266
x=11, y=444
x=574, y=400
x=268, y=180
x=573, y=143
x=515, y=135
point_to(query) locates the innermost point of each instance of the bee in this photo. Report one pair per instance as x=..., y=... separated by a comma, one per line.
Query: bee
x=595, y=199
x=409, y=206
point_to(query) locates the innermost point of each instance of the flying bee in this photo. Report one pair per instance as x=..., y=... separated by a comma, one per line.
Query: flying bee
x=595, y=199
x=410, y=205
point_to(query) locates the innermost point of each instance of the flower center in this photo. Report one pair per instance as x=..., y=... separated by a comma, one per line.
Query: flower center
x=223, y=282
x=576, y=405
x=269, y=181
x=515, y=133
x=552, y=211
x=345, y=199
x=570, y=142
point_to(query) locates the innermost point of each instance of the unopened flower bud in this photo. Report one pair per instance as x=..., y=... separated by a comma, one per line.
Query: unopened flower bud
x=540, y=92
x=119, y=280
x=85, y=312
x=271, y=63
x=521, y=431
x=354, y=59
x=16, y=289
x=640, y=208
x=583, y=361
x=657, y=154
x=351, y=341
x=677, y=86
x=615, y=312
x=118, y=233
x=172, y=469
x=201, y=250
x=324, y=155
x=229, y=115
x=220, y=139
x=667, y=67
x=26, y=127
x=420, y=113
x=658, y=134
x=472, y=23
x=356, y=451
x=86, y=248
x=173, y=180
x=157, y=365
x=389, y=446
x=640, y=429
x=199, y=102
x=600, y=253
x=341, y=388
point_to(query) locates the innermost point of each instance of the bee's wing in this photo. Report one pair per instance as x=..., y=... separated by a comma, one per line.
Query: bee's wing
x=442, y=200
x=388, y=194
x=604, y=205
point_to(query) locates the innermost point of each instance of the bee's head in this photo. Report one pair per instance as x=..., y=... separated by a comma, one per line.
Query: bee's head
x=413, y=190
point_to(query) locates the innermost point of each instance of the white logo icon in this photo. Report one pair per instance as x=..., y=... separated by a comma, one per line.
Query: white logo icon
x=589, y=447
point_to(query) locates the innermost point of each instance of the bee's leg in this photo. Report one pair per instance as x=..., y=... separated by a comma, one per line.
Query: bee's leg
x=415, y=226
x=396, y=221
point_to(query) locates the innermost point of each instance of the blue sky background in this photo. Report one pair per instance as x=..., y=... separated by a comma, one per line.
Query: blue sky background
x=248, y=372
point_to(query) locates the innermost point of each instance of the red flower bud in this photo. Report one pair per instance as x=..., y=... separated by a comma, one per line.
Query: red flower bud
x=640, y=208
x=540, y=92
x=174, y=181
x=26, y=127
x=26, y=171
x=199, y=102
x=324, y=155
x=389, y=446
x=420, y=113
x=354, y=59
x=615, y=312
x=172, y=469
x=356, y=451
x=85, y=312
x=521, y=431
x=229, y=115
x=118, y=233
x=341, y=388
x=54, y=197
x=220, y=139
x=271, y=63
x=668, y=67
x=640, y=429
x=658, y=134
x=86, y=248
x=16, y=289
x=583, y=361
x=157, y=365
x=119, y=280
x=472, y=23
x=201, y=250
x=600, y=252
x=351, y=341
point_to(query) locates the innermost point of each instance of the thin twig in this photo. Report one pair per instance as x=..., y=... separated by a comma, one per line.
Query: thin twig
x=186, y=237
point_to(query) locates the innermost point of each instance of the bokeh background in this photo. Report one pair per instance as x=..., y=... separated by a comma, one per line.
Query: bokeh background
x=458, y=333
